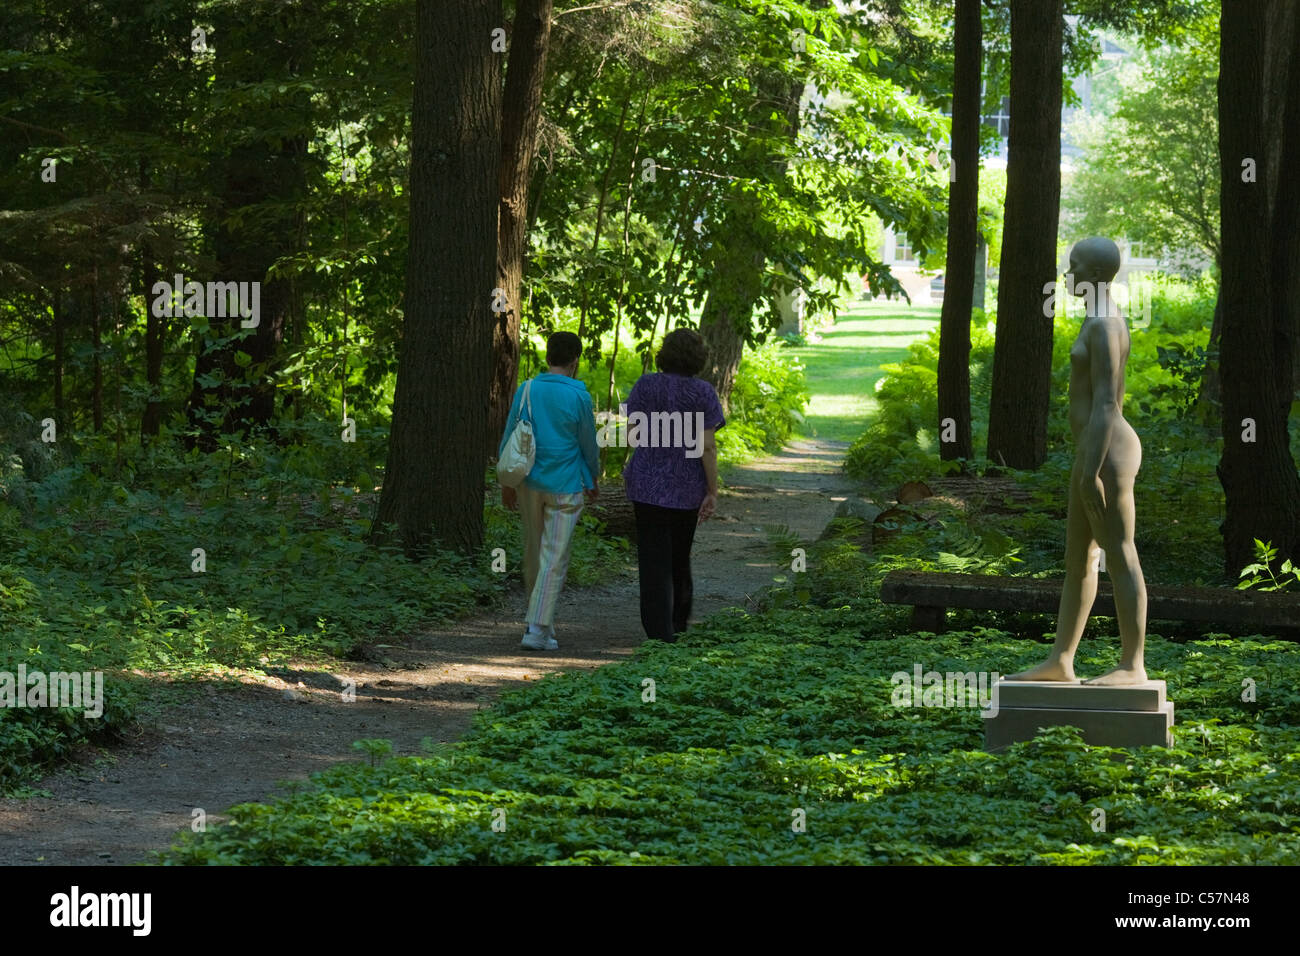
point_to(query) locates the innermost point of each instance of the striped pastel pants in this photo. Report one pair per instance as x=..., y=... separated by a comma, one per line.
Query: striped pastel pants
x=549, y=521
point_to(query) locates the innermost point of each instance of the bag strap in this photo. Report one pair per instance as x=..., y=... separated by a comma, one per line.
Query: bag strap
x=528, y=399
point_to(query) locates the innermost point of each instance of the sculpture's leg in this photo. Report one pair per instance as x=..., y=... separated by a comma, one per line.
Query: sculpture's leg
x=1077, y=593
x=1122, y=559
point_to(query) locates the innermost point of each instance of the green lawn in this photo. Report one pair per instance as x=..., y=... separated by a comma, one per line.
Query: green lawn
x=845, y=365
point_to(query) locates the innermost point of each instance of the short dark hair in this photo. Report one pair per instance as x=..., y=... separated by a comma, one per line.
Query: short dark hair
x=682, y=353
x=562, y=348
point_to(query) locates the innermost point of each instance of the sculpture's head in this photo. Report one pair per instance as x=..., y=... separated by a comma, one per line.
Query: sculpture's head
x=1092, y=261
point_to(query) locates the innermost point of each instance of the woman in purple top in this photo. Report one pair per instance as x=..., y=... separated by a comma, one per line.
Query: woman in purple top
x=672, y=477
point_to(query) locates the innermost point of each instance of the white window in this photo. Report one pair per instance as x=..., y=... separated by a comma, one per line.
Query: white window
x=903, y=249
x=1001, y=120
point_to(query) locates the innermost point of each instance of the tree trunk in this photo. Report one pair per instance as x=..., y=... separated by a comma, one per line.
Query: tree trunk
x=963, y=207
x=1259, y=110
x=433, y=482
x=155, y=328
x=520, y=110
x=264, y=179
x=97, y=364
x=1209, y=394
x=57, y=313
x=735, y=285
x=1022, y=361
x=725, y=319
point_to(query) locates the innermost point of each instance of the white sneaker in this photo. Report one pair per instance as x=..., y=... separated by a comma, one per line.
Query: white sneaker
x=539, y=642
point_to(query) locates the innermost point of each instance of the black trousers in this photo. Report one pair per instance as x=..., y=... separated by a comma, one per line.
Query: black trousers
x=663, y=547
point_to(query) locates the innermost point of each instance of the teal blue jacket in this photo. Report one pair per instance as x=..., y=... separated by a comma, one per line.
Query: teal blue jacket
x=564, y=428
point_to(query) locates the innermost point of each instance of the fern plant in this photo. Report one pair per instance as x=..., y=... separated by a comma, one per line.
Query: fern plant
x=781, y=540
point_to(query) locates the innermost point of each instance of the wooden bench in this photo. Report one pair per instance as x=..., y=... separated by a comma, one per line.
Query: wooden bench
x=932, y=594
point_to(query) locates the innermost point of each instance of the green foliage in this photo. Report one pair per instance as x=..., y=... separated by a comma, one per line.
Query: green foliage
x=947, y=539
x=992, y=202
x=111, y=122
x=97, y=570
x=843, y=571
x=1179, y=431
x=838, y=574
x=375, y=749
x=1265, y=558
x=619, y=245
x=1151, y=170
x=1187, y=365
x=902, y=442
x=33, y=739
x=767, y=403
x=756, y=717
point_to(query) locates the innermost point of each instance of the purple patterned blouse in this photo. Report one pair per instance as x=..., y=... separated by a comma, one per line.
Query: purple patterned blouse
x=667, y=415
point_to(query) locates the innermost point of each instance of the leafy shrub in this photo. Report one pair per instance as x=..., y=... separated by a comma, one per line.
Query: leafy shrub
x=1163, y=377
x=767, y=403
x=33, y=739
x=902, y=442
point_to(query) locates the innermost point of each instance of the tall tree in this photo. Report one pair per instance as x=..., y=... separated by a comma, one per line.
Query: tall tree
x=260, y=179
x=735, y=286
x=1259, y=140
x=1152, y=174
x=963, y=207
x=433, y=482
x=763, y=225
x=738, y=195
x=1022, y=360
x=520, y=112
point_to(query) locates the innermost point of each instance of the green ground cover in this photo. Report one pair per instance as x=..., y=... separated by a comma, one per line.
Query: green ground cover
x=756, y=718
x=97, y=573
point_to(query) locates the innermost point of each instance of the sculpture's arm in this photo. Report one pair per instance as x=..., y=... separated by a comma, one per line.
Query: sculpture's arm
x=1094, y=441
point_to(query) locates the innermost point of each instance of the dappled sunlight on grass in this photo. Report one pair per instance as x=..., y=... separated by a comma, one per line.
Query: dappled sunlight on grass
x=843, y=367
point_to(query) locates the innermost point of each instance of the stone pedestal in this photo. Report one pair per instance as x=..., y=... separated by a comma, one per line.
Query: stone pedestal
x=1137, y=715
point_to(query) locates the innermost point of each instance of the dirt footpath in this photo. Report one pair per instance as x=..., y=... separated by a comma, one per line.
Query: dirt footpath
x=235, y=743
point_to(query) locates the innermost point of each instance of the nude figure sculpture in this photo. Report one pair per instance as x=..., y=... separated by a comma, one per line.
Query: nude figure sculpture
x=1107, y=459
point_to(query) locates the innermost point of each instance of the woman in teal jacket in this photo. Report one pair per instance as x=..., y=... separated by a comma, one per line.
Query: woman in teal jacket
x=550, y=500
